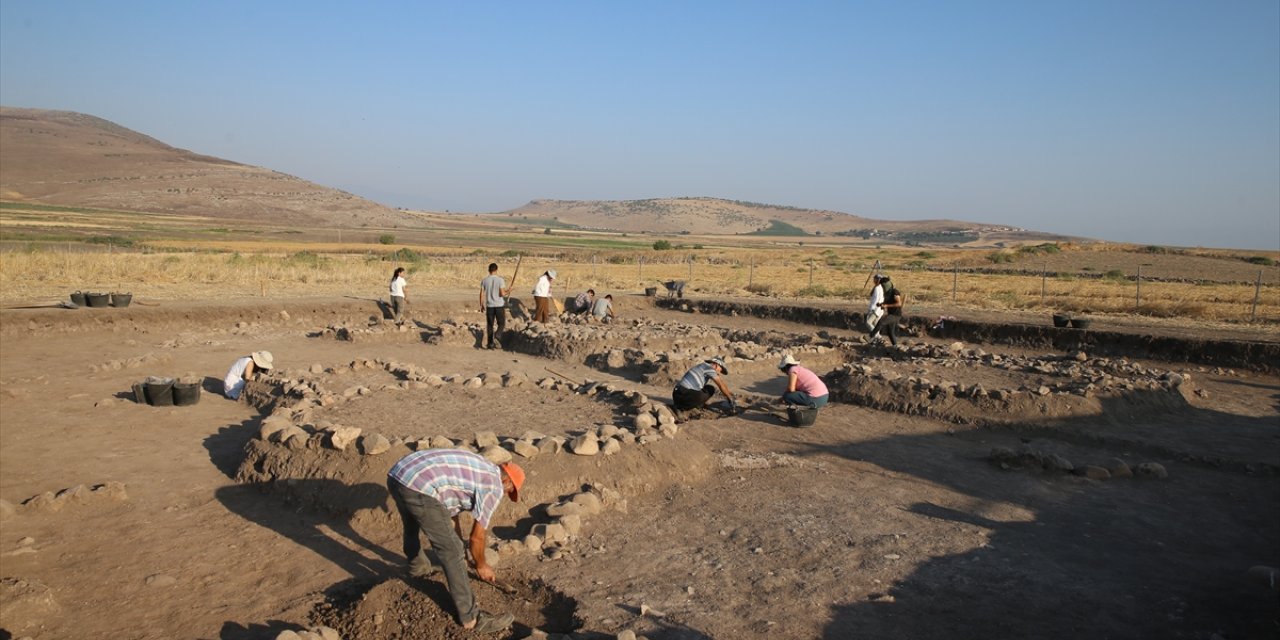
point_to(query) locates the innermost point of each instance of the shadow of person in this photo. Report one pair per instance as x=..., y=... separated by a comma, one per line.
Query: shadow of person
x=1060, y=556
x=518, y=309
x=253, y=631
x=292, y=509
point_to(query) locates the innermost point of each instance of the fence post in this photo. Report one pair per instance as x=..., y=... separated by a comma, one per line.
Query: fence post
x=810, y=272
x=690, y=268
x=593, y=266
x=1257, y=287
x=751, y=272
x=955, y=280
x=640, y=269
x=1044, y=276
x=1137, y=297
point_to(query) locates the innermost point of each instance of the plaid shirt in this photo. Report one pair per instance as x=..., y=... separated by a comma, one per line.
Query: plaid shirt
x=460, y=480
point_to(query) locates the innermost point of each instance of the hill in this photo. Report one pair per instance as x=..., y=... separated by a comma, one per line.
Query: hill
x=71, y=159
x=702, y=216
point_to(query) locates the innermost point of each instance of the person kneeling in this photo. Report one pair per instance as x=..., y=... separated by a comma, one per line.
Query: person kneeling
x=700, y=383
x=804, y=387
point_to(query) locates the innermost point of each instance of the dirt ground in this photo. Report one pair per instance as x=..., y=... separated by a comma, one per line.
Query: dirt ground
x=872, y=524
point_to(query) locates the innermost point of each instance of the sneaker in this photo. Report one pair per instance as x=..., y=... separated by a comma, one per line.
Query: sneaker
x=421, y=568
x=488, y=623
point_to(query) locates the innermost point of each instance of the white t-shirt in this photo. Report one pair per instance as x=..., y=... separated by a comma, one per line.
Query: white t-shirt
x=397, y=286
x=233, y=384
x=543, y=288
x=877, y=296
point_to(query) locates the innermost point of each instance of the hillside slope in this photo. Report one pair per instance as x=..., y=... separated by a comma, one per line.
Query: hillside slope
x=716, y=216
x=72, y=159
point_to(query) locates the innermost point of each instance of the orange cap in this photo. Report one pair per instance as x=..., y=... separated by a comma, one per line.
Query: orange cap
x=516, y=474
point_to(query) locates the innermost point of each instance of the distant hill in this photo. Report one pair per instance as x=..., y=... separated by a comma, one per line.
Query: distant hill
x=711, y=216
x=72, y=159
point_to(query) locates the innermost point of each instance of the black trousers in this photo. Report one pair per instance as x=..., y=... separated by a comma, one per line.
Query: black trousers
x=494, y=316
x=685, y=398
x=889, y=325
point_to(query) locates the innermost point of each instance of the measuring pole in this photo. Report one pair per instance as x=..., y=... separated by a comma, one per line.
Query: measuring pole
x=1044, y=277
x=955, y=280
x=810, y=272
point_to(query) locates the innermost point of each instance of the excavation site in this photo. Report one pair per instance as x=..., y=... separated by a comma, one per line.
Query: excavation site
x=983, y=478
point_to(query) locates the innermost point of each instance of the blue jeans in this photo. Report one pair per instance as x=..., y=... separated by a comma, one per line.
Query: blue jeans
x=805, y=400
x=421, y=512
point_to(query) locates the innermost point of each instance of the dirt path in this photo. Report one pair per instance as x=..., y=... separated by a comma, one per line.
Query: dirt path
x=872, y=524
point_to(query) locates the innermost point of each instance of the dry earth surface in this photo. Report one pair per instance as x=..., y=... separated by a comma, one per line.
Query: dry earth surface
x=932, y=498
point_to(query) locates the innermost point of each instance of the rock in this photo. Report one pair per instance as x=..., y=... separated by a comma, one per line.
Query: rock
x=550, y=445
x=1151, y=470
x=161, y=580
x=1093, y=472
x=514, y=379
x=272, y=425
x=525, y=448
x=290, y=433
x=611, y=446
x=374, y=444
x=645, y=421
x=550, y=533
x=1055, y=462
x=532, y=543
x=587, y=502
x=572, y=523
x=441, y=442
x=342, y=437
x=585, y=445
x=496, y=454
x=76, y=494
x=111, y=490
x=473, y=383
x=564, y=509
x=1118, y=468
x=486, y=439
x=1043, y=390
x=317, y=368
x=615, y=359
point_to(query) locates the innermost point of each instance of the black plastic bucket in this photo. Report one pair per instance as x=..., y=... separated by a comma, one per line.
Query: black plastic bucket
x=1061, y=320
x=1080, y=323
x=139, y=393
x=802, y=416
x=159, y=391
x=186, y=393
x=651, y=291
x=78, y=298
x=121, y=300
x=97, y=300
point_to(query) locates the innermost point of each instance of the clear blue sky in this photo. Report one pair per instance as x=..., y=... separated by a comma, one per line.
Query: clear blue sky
x=1154, y=122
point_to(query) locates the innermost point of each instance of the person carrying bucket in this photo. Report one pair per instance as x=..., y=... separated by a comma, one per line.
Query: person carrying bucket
x=242, y=370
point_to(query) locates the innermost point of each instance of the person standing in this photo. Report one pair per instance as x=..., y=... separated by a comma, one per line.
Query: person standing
x=602, y=310
x=542, y=296
x=398, y=300
x=874, y=312
x=243, y=369
x=493, y=302
x=892, y=306
x=804, y=387
x=431, y=488
x=699, y=384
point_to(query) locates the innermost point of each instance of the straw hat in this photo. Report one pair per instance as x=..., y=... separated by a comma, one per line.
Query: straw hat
x=787, y=361
x=262, y=359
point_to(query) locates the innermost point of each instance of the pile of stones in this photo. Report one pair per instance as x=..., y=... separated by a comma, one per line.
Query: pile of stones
x=1029, y=458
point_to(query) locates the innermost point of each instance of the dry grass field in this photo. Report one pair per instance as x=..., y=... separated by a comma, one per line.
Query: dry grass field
x=47, y=253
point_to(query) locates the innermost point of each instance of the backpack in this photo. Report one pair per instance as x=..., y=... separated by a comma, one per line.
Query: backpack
x=890, y=295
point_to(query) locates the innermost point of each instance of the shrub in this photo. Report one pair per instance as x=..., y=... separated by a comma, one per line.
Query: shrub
x=760, y=288
x=387, y=238
x=1262, y=260
x=509, y=253
x=814, y=291
x=1114, y=274
x=661, y=245
x=927, y=255
x=304, y=258
x=113, y=241
x=1000, y=257
x=405, y=254
x=547, y=231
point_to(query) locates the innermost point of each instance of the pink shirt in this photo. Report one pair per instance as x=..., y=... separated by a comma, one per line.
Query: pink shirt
x=809, y=382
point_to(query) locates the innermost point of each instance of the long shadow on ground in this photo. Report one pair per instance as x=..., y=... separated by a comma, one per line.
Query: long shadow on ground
x=1122, y=558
